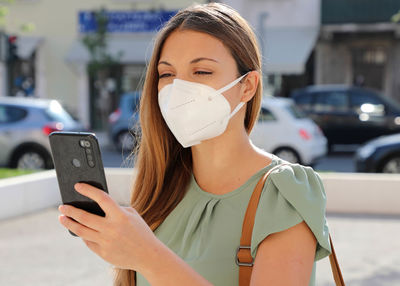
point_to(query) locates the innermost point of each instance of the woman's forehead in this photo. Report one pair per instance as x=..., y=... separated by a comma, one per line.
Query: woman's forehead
x=186, y=45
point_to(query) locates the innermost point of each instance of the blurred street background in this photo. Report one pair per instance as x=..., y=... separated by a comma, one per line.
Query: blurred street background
x=331, y=76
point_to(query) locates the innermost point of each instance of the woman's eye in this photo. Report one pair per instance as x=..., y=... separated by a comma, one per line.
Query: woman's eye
x=203, y=72
x=165, y=75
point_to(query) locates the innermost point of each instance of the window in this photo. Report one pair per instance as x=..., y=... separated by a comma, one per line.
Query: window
x=331, y=101
x=56, y=112
x=364, y=101
x=304, y=101
x=266, y=115
x=295, y=111
x=10, y=114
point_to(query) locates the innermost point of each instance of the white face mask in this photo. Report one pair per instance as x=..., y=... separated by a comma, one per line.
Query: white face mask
x=195, y=112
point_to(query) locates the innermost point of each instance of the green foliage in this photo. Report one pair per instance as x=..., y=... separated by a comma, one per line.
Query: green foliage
x=396, y=17
x=3, y=14
x=96, y=44
x=28, y=27
x=7, y=173
x=4, y=11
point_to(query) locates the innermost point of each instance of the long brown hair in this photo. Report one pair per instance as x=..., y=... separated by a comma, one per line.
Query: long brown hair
x=163, y=166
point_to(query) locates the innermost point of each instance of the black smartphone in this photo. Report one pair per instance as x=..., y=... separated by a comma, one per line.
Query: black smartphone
x=77, y=158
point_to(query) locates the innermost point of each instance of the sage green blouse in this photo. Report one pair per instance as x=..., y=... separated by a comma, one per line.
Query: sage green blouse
x=204, y=229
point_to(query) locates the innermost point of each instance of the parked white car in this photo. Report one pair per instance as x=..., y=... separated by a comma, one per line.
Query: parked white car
x=282, y=129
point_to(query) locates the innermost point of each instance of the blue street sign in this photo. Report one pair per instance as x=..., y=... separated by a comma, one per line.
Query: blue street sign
x=126, y=21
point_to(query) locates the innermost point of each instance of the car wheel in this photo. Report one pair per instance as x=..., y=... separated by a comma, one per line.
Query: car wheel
x=392, y=165
x=125, y=141
x=288, y=154
x=30, y=159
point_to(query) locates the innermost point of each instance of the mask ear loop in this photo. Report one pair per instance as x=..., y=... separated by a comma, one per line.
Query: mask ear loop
x=225, y=88
x=232, y=84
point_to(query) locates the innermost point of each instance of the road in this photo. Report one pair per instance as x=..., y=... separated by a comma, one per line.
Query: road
x=36, y=250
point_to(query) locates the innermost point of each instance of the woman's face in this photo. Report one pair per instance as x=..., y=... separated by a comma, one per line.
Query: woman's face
x=198, y=57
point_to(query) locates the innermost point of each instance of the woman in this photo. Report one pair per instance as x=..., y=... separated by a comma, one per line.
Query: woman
x=203, y=91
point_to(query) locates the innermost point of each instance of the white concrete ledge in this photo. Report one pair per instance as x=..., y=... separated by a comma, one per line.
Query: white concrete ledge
x=29, y=193
x=346, y=192
x=362, y=193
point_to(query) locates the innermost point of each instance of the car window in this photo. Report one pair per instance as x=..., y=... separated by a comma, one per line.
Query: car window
x=134, y=103
x=304, y=101
x=364, y=101
x=331, y=101
x=10, y=114
x=295, y=111
x=266, y=115
x=130, y=103
x=56, y=112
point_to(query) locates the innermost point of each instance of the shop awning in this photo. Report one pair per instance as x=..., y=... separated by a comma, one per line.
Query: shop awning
x=26, y=46
x=127, y=49
x=286, y=50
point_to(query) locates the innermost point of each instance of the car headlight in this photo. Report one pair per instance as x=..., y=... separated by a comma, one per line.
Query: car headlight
x=366, y=151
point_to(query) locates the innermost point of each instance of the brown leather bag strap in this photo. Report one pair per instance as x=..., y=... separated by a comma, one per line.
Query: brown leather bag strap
x=243, y=252
x=337, y=274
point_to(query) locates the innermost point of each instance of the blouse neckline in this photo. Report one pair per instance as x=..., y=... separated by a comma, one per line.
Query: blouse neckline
x=197, y=188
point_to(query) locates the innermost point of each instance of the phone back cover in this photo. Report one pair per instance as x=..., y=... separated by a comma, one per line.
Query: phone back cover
x=65, y=148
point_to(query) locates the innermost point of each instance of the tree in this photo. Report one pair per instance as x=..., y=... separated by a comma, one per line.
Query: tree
x=5, y=10
x=100, y=63
x=396, y=17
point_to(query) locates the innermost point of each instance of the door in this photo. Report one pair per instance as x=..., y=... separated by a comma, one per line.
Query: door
x=371, y=113
x=331, y=110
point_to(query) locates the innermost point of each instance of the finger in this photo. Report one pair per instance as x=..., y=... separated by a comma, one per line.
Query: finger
x=93, y=246
x=83, y=217
x=106, y=203
x=79, y=229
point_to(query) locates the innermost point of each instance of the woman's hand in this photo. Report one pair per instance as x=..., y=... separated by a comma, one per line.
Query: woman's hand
x=122, y=237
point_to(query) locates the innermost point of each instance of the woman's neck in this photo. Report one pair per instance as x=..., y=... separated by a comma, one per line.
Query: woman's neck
x=222, y=164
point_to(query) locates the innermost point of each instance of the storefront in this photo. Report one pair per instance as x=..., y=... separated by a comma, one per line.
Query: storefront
x=130, y=36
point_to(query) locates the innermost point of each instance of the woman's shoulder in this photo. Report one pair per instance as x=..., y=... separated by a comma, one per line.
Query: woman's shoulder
x=291, y=194
x=288, y=177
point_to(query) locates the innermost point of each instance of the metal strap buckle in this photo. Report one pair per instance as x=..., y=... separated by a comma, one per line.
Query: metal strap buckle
x=237, y=259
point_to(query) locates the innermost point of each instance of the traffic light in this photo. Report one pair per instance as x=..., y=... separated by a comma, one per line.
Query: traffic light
x=12, y=48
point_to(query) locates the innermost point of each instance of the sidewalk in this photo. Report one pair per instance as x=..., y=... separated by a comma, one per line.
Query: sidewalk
x=36, y=250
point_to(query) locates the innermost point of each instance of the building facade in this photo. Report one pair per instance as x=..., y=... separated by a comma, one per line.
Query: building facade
x=287, y=31
x=359, y=44
x=55, y=60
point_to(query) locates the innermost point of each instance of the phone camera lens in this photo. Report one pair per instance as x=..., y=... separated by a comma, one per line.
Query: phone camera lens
x=76, y=162
x=91, y=163
x=87, y=144
x=88, y=151
x=89, y=157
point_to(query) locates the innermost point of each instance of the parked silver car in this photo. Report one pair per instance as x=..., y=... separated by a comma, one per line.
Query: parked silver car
x=25, y=124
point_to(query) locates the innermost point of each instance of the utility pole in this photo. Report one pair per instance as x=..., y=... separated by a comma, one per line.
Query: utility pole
x=3, y=63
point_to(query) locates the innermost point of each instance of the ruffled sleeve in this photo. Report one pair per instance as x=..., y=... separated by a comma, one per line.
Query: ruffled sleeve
x=291, y=194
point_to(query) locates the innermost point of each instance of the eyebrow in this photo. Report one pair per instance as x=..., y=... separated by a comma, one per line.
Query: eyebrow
x=196, y=60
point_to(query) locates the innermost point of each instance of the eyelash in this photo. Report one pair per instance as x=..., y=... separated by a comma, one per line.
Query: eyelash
x=197, y=72
x=203, y=72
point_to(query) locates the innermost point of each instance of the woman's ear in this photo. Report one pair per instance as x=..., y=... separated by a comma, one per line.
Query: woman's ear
x=249, y=85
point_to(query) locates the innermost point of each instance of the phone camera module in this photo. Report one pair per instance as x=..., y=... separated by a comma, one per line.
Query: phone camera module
x=91, y=163
x=76, y=162
x=84, y=143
